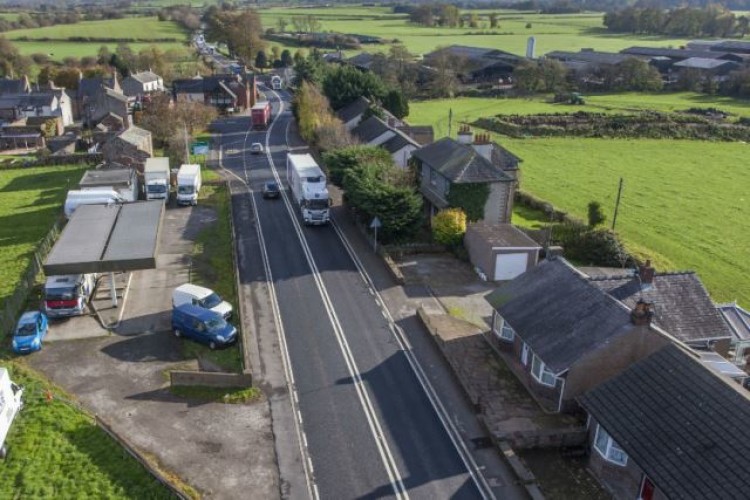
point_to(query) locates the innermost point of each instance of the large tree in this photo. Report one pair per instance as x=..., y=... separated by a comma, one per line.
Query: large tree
x=343, y=84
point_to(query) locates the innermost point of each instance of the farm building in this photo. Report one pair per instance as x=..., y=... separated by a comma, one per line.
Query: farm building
x=475, y=64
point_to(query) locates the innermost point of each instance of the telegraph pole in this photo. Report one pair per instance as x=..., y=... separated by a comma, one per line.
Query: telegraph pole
x=617, y=204
x=450, y=120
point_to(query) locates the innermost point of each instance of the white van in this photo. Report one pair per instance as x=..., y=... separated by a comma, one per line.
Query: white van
x=188, y=184
x=89, y=197
x=201, y=297
x=10, y=404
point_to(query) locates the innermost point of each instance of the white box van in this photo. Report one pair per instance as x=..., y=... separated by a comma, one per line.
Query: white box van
x=10, y=404
x=188, y=184
x=202, y=297
x=78, y=197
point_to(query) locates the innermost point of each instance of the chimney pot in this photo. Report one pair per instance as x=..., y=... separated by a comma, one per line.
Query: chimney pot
x=641, y=314
x=646, y=273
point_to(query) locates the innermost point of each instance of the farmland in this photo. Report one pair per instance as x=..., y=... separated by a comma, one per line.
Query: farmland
x=552, y=32
x=31, y=199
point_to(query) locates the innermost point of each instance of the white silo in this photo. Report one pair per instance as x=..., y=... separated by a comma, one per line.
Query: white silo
x=530, y=47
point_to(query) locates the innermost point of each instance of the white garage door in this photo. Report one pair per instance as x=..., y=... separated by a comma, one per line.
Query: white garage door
x=510, y=265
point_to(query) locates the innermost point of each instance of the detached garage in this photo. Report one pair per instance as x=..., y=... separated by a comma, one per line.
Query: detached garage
x=500, y=251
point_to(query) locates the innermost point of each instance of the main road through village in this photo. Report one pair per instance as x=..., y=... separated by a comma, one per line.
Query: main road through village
x=354, y=415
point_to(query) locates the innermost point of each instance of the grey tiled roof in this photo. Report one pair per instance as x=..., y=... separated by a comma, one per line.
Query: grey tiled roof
x=731, y=45
x=398, y=142
x=682, y=424
x=353, y=109
x=704, y=63
x=363, y=60
x=738, y=320
x=459, y=163
x=370, y=129
x=8, y=86
x=204, y=84
x=681, y=304
x=559, y=313
x=145, y=76
x=134, y=135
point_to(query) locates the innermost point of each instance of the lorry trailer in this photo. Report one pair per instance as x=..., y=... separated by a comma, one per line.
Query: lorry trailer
x=260, y=114
x=308, y=185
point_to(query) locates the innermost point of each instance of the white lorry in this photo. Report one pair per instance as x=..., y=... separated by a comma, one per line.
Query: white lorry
x=67, y=295
x=188, y=184
x=156, y=178
x=276, y=82
x=100, y=196
x=308, y=184
x=10, y=405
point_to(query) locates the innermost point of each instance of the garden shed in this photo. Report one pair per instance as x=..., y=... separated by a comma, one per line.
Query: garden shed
x=500, y=251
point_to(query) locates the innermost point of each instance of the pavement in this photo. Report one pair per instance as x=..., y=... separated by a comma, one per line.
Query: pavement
x=223, y=451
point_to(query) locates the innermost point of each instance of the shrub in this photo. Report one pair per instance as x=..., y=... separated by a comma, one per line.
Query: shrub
x=449, y=227
x=599, y=247
x=596, y=216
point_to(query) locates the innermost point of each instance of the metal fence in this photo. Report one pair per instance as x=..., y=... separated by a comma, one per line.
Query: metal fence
x=12, y=306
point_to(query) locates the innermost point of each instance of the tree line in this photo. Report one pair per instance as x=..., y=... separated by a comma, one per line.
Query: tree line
x=240, y=30
x=53, y=15
x=711, y=21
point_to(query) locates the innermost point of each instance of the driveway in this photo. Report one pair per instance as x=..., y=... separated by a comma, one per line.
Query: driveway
x=224, y=451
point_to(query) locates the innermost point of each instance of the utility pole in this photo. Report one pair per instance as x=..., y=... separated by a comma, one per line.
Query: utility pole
x=450, y=120
x=617, y=204
x=187, y=144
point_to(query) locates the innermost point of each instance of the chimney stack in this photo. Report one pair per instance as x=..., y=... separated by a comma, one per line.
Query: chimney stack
x=483, y=146
x=641, y=314
x=465, y=135
x=646, y=274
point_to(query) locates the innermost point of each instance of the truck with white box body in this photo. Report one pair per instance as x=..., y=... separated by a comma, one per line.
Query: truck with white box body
x=276, y=82
x=308, y=185
x=188, y=184
x=156, y=178
x=94, y=196
x=123, y=181
x=10, y=404
x=67, y=295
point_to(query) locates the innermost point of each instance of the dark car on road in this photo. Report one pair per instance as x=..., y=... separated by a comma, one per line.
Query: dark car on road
x=256, y=148
x=271, y=190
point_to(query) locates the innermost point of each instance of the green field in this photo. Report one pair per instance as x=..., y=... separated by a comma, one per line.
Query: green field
x=56, y=451
x=468, y=109
x=30, y=199
x=552, y=32
x=58, y=51
x=684, y=205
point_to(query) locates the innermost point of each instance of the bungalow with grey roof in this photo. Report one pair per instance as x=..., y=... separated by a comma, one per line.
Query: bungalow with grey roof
x=668, y=427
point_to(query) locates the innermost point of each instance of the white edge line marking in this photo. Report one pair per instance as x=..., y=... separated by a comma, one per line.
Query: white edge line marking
x=379, y=436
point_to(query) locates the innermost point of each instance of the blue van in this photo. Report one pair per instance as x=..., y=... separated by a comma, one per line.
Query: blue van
x=202, y=325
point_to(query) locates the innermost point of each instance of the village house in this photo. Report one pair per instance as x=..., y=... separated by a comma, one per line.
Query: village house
x=468, y=160
x=88, y=93
x=224, y=92
x=49, y=103
x=562, y=336
x=10, y=86
x=668, y=427
x=142, y=83
x=351, y=114
x=680, y=303
x=375, y=132
x=130, y=148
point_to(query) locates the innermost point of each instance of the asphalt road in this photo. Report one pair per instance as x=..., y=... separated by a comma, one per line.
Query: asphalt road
x=366, y=426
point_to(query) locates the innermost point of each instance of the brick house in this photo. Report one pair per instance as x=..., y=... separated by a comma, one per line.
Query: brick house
x=681, y=305
x=221, y=91
x=130, y=148
x=562, y=336
x=668, y=427
x=448, y=162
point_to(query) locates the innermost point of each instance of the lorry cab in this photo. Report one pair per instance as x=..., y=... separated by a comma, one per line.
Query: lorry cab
x=201, y=297
x=202, y=325
x=66, y=295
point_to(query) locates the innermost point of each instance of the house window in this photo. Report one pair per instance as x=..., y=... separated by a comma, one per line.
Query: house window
x=525, y=354
x=502, y=329
x=541, y=373
x=608, y=448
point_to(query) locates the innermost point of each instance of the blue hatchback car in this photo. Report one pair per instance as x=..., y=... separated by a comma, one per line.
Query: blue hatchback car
x=202, y=325
x=29, y=332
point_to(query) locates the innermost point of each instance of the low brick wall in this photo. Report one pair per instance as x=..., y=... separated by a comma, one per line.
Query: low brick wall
x=210, y=379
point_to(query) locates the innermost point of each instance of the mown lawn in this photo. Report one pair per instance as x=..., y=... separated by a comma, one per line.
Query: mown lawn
x=552, y=32
x=56, y=451
x=30, y=199
x=146, y=28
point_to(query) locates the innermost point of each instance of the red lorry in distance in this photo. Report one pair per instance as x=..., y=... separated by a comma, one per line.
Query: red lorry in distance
x=261, y=115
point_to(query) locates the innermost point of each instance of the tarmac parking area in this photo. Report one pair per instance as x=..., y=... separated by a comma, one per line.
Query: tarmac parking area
x=224, y=451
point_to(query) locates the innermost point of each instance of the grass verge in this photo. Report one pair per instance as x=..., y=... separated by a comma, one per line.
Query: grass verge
x=213, y=267
x=55, y=450
x=217, y=394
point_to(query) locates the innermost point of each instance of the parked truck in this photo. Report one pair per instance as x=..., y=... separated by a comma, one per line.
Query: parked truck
x=261, y=114
x=10, y=404
x=156, y=178
x=308, y=184
x=188, y=184
x=67, y=295
x=124, y=181
x=276, y=82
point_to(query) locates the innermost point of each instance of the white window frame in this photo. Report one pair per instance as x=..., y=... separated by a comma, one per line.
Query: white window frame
x=525, y=354
x=612, y=451
x=544, y=376
x=502, y=329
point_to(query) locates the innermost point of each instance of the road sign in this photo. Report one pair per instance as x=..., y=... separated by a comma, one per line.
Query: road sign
x=200, y=148
x=375, y=223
